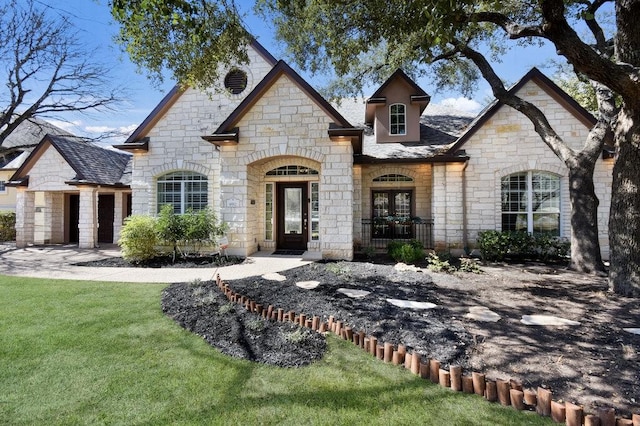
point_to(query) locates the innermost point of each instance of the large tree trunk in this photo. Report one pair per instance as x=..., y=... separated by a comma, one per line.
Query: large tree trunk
x=585, y=246
x=624, y=218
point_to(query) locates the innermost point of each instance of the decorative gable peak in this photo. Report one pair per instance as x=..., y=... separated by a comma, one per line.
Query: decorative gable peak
x=394, y=109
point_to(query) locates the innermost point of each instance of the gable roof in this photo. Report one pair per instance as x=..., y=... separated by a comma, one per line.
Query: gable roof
x=419, y=95
x=169, y=99
x=267, y=82
x=340, y=129
x=93, y=165
x=546, y=84
x=17, y=146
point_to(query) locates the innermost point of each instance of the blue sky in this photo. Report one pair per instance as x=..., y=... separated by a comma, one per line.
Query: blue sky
x=96, y=26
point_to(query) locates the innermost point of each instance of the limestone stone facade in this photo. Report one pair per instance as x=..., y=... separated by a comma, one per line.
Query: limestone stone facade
x=278, y=134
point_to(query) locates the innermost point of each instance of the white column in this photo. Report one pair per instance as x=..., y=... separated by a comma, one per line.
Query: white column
x=88, y=223
x=25, y=216
x=118, y=214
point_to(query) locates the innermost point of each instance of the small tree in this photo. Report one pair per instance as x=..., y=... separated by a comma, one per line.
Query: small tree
x=170, y=228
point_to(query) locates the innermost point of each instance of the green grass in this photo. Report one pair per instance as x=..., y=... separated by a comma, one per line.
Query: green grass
x=103, y=353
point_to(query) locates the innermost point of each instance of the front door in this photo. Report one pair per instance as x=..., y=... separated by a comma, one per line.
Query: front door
x=106, y=203
x=73, y=218
x=292, y=216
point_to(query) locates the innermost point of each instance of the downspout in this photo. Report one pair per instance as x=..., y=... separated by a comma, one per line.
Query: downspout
x=465, y=230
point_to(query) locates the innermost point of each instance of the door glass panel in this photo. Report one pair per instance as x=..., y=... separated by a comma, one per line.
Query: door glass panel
x=293, y=210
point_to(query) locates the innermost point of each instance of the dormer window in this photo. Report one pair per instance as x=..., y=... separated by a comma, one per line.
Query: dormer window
x=397, y=119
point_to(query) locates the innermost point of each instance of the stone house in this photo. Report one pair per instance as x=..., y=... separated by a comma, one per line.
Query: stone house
x=287, y=170
x=85, y=192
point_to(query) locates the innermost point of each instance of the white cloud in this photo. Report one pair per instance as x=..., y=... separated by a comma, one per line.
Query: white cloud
x=462, y=104
x=99, y=129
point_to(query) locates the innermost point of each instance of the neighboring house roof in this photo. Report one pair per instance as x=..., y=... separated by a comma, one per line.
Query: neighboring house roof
x=27, y=136
x=135, y=139
x=93, y=164
x=546, y=84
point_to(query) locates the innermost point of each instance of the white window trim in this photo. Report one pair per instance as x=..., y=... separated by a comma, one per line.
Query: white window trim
x=404, y=114
x=183, y=192
x=529, y=211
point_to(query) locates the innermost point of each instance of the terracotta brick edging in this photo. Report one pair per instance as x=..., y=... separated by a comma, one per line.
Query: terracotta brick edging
x=505, y=392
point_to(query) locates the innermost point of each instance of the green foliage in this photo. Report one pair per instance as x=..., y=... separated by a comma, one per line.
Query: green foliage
x=187, y=233
x=139, y=238
x=170, y=228
x=444, y=263
x=194, y=40
x=7, y=226
x=436, y=264
x=497, y=246
x=410, y=252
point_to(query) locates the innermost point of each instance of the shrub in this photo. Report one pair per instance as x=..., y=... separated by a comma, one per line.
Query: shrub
x=497, y=246
x=170, y=228
x=7, y=226
x=410, y=252
x=138, y=238
x=436, y=264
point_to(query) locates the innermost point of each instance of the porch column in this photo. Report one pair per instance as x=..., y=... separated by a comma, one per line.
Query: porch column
x=25, y=216
x=448, y=207
x=118, y=214
x=88, y=223
x=53, y=217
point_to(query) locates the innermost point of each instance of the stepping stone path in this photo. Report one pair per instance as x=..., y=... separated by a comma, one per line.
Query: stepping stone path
x=411, y=304
x=546, y=320
x=632, y=330
x=308, y=285
x=354, y=293
x=403, y=267
x=482, y=313
x=274, y=277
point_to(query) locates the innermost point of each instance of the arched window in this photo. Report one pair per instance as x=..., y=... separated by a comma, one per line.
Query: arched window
x=397, y=119
x=392, y=177
x=184, y=190
x=531, y=202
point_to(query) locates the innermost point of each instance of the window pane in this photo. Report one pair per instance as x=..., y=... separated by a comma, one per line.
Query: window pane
x=315, y=211
x=268, y=212
x=183, y=190
x=547, y=223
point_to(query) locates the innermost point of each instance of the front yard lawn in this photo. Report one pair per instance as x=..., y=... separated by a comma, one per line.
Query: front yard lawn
x=103, y=353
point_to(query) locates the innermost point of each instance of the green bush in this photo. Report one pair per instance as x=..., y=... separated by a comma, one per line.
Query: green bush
x=139, y=238
x=7, y=226
x=496, y=246
x=410, y=252
x=170, y=228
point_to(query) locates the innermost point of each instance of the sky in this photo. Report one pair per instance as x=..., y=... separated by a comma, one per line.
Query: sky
x=97, y=28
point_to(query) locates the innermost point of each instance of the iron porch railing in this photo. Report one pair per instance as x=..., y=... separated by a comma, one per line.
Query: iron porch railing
x=379, y=232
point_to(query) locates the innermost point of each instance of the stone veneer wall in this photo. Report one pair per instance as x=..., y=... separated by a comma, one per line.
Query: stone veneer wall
x=505, y=144
x=286, y=126
x=176, y=143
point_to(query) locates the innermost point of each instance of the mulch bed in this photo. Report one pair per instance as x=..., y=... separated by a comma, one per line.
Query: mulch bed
x=595, y=364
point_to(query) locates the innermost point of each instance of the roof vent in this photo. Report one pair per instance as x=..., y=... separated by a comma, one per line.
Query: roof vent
x=236, y=81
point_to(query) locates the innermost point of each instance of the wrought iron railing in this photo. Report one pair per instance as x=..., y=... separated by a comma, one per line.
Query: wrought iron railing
x=379, y=232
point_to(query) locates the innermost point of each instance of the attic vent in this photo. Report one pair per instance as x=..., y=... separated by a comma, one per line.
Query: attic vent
x=236, y=81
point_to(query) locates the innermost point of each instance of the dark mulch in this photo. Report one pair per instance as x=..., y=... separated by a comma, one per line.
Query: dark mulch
x=166, y=262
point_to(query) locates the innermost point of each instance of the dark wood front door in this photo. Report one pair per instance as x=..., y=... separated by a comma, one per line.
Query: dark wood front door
x=106, y=203
x=73, y=218
x=292, y=216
